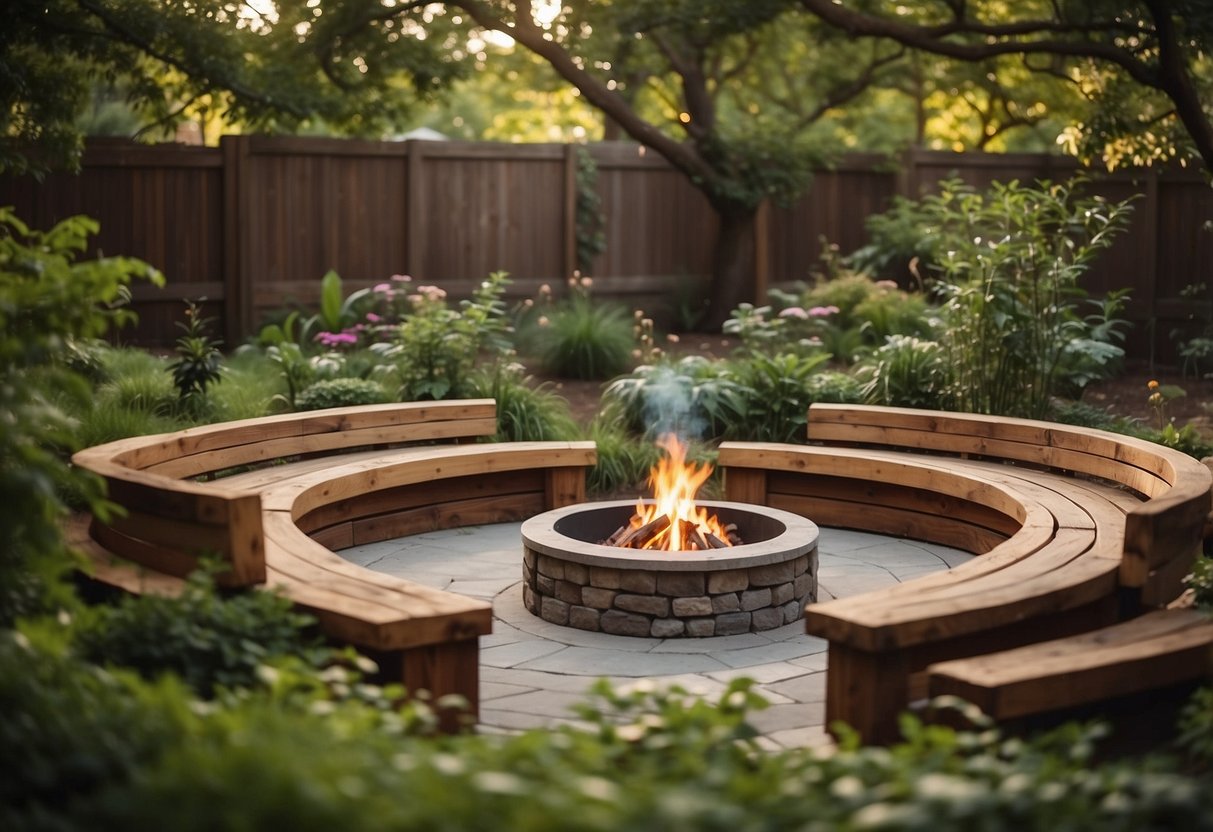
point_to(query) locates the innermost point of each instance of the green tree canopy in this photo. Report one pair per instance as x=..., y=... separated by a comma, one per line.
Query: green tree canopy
x=1144, y=66
x=359, y=65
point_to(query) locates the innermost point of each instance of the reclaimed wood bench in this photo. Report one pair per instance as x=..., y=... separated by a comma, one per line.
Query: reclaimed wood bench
x=273, y=498
x=1076, y=529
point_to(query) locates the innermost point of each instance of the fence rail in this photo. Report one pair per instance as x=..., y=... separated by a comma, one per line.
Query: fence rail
x=253, y=224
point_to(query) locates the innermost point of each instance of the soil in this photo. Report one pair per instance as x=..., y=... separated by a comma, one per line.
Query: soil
x=1126, y=395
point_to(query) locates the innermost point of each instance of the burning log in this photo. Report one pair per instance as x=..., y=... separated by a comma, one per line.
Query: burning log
x=691, y=534
x=636, y=538
x=715, y=542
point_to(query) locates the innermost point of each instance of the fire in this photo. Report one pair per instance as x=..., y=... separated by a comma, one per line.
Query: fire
x=675, y=482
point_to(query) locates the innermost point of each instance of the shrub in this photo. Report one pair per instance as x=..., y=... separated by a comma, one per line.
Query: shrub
x=48, y=300
x=436, y=347
x=624, y=461
x=72, y=731
x=206, y=639
x=905, y=372
x=688, y=397
x=1009, y=280
x=340, y=392
x=524, y=413
x=770, y=397
x=102, y=750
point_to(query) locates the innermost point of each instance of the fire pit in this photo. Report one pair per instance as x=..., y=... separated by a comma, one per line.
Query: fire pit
x=572, y=579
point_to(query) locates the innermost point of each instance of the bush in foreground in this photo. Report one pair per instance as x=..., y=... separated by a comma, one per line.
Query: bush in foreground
x=104, y=750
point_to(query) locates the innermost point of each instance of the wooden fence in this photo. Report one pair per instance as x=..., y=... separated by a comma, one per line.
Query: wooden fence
x=253, y=224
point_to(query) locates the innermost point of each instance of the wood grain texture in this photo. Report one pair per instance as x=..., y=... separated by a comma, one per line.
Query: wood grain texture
x=1155, y=650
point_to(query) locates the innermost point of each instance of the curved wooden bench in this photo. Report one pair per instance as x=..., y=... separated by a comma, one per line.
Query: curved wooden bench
x=1076, y=530
x=273, y=497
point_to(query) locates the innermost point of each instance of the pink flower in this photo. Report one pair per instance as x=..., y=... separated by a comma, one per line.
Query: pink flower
x=383, y=289
x=432, y=293
x=823, y=311
x=886, y=284
x=373, y=318
x=401, y=278
x=793, y=312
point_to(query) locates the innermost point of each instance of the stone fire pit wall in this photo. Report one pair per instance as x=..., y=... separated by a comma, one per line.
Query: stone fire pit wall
x=748, y=588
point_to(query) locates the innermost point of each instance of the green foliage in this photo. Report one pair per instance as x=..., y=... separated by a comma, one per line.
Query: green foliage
x=102, y=750
x=76, y=732
x=1201, y=581
x=296, y=371
x=437, y=347
x=204, y=638
x=49, y=300
x=843, y=314
x=905, y=372
x=1009, y=280
x=525, y=413
x=689, y=397
x=580, y=338
x=770, y=397
x=899, y=239
x=340, y=392
x=197, y=365
x=1194, y=341
x=247, y=388
x=269, y=71
x=624, y=460
x=591, y=238
x=1196, y=720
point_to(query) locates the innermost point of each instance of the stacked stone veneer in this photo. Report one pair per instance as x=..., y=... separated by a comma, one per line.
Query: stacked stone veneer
x=668, y=604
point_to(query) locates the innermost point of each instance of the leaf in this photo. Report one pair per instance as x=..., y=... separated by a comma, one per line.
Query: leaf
x=330, y=300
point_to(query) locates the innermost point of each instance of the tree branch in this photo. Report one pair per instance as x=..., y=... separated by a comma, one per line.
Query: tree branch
x=116, y=31
x=680, y=155
x=1169, y=74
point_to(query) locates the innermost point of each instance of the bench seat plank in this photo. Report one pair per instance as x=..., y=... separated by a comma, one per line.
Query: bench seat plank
x=1155, y=650
x=399, y=613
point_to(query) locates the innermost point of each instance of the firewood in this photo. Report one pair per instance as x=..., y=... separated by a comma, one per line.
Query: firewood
x=613, y=540
x=697, y=539
x=715, y=542
x=636, y=538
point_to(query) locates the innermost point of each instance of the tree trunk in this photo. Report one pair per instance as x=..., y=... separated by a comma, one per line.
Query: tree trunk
x=733, y=274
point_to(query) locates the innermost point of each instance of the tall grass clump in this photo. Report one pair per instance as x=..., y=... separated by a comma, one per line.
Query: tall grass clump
x=624, y=460
x=581, y=338
x=525, y=413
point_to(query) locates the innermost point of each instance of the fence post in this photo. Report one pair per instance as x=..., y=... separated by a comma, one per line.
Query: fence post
x=237, y=282
x=762, y=252
x=414, y=216
x=569, y=239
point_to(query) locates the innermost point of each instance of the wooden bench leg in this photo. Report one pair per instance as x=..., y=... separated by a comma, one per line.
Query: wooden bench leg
x=745, y=485
x=441, y=669
x=867, y=691
x=564, y=487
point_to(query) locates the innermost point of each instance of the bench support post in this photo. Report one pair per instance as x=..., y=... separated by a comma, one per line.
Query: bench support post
x=746, y=485
x=564, y=487
x=441, y=669
x=867, y=691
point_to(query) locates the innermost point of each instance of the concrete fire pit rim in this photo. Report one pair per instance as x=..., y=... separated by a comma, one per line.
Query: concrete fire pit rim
x=798, y=538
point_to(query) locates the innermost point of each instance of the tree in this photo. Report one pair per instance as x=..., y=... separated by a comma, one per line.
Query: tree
x=358, y=65
x=1145, y=65
x=728, y=92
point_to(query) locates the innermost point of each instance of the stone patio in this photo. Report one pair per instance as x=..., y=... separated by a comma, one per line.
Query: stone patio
x=532, y=671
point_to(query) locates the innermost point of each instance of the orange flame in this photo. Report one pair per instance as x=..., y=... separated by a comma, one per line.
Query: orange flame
x=675, y=482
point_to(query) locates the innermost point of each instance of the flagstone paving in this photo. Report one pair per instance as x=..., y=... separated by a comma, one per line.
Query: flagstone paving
x=533, y=672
